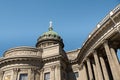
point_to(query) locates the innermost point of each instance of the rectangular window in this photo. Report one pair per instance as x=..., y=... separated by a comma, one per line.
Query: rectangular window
x=23, y=77
x=47, y=76
x=76, y=74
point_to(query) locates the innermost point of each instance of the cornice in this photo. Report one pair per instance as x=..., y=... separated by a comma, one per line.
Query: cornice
x=24, y=58
x=54, y=58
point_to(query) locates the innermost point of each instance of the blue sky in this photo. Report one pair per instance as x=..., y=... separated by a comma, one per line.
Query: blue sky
x=23, y=21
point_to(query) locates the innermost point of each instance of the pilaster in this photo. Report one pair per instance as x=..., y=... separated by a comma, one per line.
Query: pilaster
x=53, y=72
x=31, y=73
x=58, y=67
x=1, y=75
x=15, y=73
x=41, y=74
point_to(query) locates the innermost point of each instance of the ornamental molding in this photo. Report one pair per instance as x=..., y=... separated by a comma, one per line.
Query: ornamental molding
x=7, y=60
x=53, y=58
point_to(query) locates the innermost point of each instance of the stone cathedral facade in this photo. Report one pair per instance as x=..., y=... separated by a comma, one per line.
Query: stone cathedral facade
x=95, y=60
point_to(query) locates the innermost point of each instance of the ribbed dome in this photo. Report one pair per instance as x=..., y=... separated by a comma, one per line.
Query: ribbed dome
x=50, y=35
x=50, y=32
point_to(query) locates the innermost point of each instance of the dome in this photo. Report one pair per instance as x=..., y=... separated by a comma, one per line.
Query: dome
x=49, y=36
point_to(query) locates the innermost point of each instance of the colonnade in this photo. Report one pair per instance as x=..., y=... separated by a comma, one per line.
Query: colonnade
x=103, y=65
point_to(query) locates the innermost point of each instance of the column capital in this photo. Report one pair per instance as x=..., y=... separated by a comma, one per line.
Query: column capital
x=87, y=59
x=79, y=68
x=105, y=41
x=94, y=51
x=53, y=67
x=33, y=70
x=58, y=66
x=101, y=55
x=42, y=70
x=15, y=70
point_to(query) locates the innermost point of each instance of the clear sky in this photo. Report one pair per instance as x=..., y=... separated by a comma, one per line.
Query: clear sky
x=23, y=21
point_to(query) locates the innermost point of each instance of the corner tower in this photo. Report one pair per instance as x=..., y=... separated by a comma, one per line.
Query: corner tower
x=49, y=38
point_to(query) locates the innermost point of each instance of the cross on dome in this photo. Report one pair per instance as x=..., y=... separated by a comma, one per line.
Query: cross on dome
x=50, y=26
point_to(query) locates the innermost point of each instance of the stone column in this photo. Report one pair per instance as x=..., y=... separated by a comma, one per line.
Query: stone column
x=115, y=58
x=104, y=69
x=89, y=70
x=37, y=75
x=58, y=72
x=85, y=72
x=53, y=72
x=31, y=73
x=15, y=73
x=111, y=63
x=1, y=75
x=98, y=67
x=41, y=74
x=95, y=71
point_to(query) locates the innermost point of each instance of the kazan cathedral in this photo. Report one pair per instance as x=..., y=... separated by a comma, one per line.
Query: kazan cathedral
x=96, y=60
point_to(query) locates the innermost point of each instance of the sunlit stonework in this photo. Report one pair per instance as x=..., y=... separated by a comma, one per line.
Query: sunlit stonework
x=95, y=60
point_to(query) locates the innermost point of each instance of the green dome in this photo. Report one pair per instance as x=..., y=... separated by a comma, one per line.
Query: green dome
x=48, y=38
x=49, y=35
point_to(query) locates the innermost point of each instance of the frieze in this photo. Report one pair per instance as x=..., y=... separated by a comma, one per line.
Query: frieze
x=23, y=51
